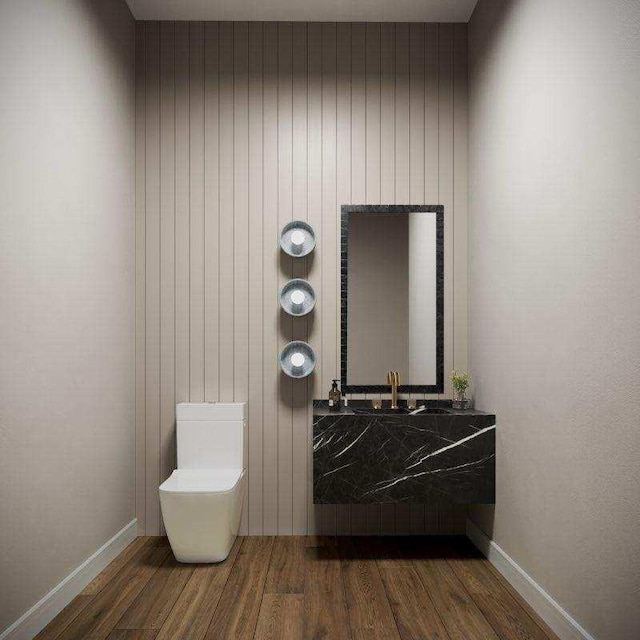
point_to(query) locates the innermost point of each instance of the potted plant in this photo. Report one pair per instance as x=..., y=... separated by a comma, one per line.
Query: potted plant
x=460, y=382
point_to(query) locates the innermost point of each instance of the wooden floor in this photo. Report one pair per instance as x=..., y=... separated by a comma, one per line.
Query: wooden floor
x=286, y=588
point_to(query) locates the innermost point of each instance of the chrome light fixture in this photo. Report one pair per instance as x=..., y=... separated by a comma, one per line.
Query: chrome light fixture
x=297, y=297
x=297, y=239
x=297, y=359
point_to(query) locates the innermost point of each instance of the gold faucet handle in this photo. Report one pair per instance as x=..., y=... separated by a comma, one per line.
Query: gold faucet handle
x=396, y=377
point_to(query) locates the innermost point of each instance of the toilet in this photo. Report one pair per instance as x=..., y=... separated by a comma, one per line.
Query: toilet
x=201, y=501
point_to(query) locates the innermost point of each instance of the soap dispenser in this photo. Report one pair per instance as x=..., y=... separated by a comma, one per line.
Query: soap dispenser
x=335, y=397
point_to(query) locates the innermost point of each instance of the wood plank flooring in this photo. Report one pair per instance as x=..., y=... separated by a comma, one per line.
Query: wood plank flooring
x=302, y=588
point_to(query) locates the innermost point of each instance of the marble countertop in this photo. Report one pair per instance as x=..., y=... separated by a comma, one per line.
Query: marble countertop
x=364, y=407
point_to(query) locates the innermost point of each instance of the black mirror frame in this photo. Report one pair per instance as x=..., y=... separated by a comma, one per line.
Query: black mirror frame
x=346, y=209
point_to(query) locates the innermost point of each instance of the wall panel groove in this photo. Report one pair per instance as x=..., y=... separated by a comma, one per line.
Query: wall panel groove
x=240, y=128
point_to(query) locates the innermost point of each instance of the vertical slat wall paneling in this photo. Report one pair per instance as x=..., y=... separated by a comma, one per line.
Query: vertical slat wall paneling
x=387, y=113
x=402, y=80
x=211, y=214
x=152, y=270
x=446, y=185
x=416, y=113
x=182, y=180
x=372, y=114
x=328, y=242
x=387, y=167
x=196, y=211
x=241, y=224
x=314, y=186
x=460, y=209
x=431, y=173
x=271, y=261
x=227, y=167
x=373, y=168
x=141, y=445
x=343, y=185
x=301, y=388
x=416, y=163
x=182, y=228
x=167, y=250
x=239, y=129
x=403, y=174
x=256, y=252
x=431, y=112
x=285, y=214
x=358, y=170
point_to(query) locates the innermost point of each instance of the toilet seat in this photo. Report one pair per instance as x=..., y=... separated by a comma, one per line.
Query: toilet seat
x=201, y=481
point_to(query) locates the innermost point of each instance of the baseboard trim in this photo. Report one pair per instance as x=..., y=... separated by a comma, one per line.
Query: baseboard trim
x=37, y=618
x=561, y=622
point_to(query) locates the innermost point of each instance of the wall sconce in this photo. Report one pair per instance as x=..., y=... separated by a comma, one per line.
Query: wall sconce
x=297, y=297
x=297, y=239
x=297, y=359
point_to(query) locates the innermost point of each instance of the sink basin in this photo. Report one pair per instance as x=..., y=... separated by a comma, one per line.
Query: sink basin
x=431, y=411
x=385, y=411
x=400, y=411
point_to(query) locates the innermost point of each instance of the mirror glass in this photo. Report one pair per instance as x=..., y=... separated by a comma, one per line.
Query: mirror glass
x=392, y=297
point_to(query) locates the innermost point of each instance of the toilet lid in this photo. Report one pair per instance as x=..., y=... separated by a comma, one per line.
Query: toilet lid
x=201, y=480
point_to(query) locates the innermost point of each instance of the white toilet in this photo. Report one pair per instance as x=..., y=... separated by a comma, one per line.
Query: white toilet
x=201, y=500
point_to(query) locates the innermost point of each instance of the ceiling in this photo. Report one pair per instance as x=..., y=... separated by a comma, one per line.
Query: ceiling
x=305, y=10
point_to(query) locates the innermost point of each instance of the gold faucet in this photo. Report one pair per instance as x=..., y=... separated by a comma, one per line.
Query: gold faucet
x=393, y=378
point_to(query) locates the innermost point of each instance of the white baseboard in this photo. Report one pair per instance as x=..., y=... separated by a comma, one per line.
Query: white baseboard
x=37, y=618
x=540, y=601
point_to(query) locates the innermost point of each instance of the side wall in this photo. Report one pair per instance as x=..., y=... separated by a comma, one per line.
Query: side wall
x=241, y=128
x=67, y=280
x=554, y=296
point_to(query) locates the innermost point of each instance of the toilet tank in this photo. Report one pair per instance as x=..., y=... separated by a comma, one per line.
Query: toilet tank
x=211, y=435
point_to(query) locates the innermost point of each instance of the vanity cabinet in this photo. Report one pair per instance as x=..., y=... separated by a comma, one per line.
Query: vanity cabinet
x=364, y=455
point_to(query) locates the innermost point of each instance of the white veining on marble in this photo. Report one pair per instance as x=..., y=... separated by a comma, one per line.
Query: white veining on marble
x=322, y=441
x=344, y=466
x=387, y=484
x=356, y=440
x=418, y=452
x=461, y=466
x=451, y=446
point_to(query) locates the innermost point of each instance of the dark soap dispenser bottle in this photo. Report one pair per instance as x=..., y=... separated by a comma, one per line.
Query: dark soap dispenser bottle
x=335, y=397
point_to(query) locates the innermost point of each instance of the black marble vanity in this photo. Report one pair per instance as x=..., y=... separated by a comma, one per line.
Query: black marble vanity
x=366, y=455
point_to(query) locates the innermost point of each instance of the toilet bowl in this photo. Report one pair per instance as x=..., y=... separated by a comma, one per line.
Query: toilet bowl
x=201, y=501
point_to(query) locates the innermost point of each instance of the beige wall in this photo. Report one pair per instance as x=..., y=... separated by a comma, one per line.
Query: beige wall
x=66, y=289
x=242, y=127
x=378, y=319
x=554, y=296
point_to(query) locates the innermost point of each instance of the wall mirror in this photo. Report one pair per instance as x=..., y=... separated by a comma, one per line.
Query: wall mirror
x=392, y=297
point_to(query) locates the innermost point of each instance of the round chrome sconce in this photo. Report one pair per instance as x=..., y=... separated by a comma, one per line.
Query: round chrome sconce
x=297, y=297
x=297, y=239
x=297, y=359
